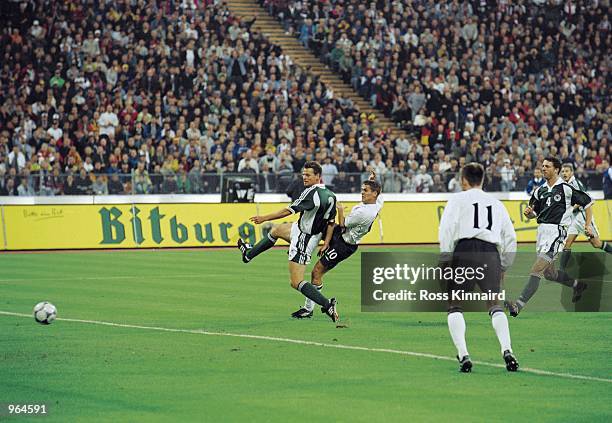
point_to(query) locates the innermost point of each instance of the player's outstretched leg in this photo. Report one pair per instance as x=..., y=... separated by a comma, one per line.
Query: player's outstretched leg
x=515, y=307
x=563, y=278
x=265, y=244
x=456, y=327
x=537, y=272
x=244, y=248
x=502, y=330
x=606, y=246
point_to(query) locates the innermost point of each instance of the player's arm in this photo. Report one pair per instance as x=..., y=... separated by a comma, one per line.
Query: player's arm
x=588, y=220
x=508, y=241
x=446, y=232
x=341, y=218
x=532, y=210
x=379, y=200
x=272, y=216
x=329, y=232
x=305, y=202
x=585, y=201
x=330, y=215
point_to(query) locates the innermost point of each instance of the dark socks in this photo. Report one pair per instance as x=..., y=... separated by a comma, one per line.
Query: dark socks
x=310, y=291
x=564, y=259
x=563, y=278
x=266, y=243
x=529, y=290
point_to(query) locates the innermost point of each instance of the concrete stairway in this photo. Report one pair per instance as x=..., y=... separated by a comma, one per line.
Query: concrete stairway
x=275, y=32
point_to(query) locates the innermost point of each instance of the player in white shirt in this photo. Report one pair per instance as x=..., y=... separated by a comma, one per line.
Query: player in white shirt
x=345, y=238
x=476, y=231
x=578, y=221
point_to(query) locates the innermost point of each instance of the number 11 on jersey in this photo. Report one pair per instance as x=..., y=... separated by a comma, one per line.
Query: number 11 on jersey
x=489, y=217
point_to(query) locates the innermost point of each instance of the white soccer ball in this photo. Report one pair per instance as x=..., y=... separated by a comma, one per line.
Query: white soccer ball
x=45, y=313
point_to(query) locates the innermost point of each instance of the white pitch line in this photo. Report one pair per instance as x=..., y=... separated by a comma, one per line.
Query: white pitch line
x=317, y=344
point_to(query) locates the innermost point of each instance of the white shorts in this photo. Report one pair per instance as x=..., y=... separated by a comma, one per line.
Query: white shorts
x=550, y=240
x=302, y=245
x=577, y=225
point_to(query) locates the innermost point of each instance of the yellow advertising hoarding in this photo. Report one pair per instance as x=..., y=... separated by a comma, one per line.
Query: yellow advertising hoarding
x=39, y=227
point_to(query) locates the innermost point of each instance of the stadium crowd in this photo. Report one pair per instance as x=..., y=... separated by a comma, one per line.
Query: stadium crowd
x=499, y=81
x=172, y=96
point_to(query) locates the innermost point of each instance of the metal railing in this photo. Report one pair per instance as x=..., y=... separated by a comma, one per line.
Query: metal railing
x=47, y=184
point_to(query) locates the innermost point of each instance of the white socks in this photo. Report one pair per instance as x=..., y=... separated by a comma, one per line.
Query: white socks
x=499, y=321
x=456, y=326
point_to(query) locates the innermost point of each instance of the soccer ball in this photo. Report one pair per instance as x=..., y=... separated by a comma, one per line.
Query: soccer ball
x=45, y=313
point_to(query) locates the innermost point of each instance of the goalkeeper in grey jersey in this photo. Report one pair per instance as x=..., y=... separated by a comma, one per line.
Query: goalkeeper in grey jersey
x=345, y=238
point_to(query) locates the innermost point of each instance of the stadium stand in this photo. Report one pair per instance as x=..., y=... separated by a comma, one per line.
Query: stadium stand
x=172, y=96
x=515, y=80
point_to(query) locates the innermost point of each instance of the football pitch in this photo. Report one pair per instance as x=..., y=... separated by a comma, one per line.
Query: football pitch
x=196, y=335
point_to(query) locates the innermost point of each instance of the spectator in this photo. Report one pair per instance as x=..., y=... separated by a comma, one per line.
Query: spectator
x=607, y=184
x=83, y=183
x=24, y=189
x=170, y=185
x=424, y=181
x=70, y=187
x=454, y=185
x=195, y=178
x=55, y=132
x=182, y=181
x=329, y=172
x=16, y=158
x=3, y=189
x=248, y=164
x=270, y=159
x=508, y=176
x=142, y=182
x=99, y=187
x=410, y=185
x=108, y=122
x=438, y=183
x=115, y=187
x=535, y=182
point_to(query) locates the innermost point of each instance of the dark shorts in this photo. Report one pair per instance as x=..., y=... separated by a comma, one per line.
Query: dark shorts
x=338, y=250
x=476, y=262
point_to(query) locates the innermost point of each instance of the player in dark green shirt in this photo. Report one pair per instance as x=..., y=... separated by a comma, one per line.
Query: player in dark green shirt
x=552, y=204
x=317, y=208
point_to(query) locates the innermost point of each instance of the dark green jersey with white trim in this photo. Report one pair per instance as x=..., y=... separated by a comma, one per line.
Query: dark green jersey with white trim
x=317, y=207
x=554, y=204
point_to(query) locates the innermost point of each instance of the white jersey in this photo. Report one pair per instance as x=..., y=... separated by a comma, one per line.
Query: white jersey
x=360, y=220
x=576, y=184
x=476, y=214
x=578, y=215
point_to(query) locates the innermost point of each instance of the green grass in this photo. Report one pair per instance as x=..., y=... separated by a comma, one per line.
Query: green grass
x=88, y=372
